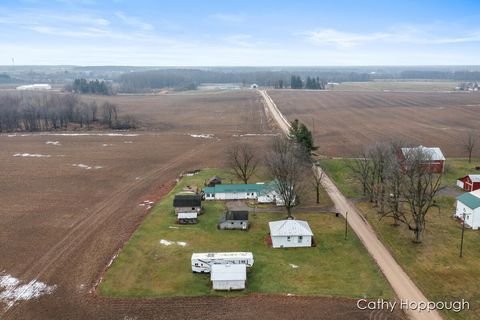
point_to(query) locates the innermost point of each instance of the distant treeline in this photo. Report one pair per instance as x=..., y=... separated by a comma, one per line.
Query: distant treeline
x=5, y=78
x=187, y=79
x=441, y=75
x=310, y=83
x=44, y=112
x=90, y=87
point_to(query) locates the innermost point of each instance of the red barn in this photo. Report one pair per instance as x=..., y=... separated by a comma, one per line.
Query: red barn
x=436, y=161
x=469, y=183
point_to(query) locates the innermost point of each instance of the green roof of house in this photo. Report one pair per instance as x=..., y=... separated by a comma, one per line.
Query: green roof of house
x=469, y=200
x=220, y=188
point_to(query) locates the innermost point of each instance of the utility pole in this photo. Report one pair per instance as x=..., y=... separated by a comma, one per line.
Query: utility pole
x=463, y=232
x=346, y=225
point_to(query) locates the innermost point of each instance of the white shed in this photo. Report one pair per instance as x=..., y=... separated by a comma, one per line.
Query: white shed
x=468, y=206
x=290, y=233
x=228, y=276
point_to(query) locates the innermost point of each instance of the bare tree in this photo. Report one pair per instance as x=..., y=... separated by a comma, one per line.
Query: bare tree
x=469, y=144
x=242, y=161
x=362, y=168
x=288, y=164
x=420, y=187
x=317, y=180
x=394, y=182
x=379, y=156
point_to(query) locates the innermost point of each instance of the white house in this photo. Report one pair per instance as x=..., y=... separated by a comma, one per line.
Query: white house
x=468, y=206
x=290, y=233
x=203, y=262
x=232, y=191
x=228, y=276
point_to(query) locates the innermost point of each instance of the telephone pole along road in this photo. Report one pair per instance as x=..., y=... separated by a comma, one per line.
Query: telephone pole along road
x=401, y=283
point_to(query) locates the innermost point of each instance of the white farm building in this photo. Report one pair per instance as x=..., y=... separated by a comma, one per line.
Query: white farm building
x=468, y=206
x=35, y=87
x=228, y=276
x=290, y=234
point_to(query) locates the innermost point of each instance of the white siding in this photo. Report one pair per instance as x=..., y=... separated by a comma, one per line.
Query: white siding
x=460, y=184
x=228, y=284
x=472, y=217
x=291, y=242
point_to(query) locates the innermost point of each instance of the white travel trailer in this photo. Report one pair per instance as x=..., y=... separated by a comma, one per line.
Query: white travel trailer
x=202, y=262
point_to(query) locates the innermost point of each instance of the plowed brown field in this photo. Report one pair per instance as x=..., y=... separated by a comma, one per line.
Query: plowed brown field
x=345, y=121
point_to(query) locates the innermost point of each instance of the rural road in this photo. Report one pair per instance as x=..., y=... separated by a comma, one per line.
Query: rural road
x=401, y=283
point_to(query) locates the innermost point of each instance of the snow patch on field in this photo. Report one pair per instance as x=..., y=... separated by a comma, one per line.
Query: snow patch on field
x=166, y=242
x=53, y=143
x=12, y=290
x=294, y=266
x=127, y=141
x=32, y=155
x=202, y=135
x=107, y=145
x=256, y=135
x=169, y=243
x=148, y=204
x=86, y=167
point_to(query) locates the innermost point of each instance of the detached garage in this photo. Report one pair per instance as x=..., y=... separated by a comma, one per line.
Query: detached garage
x=469, y=183
x=228, y=276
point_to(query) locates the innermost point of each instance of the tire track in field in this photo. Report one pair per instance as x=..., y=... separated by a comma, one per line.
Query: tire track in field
x=92, y=223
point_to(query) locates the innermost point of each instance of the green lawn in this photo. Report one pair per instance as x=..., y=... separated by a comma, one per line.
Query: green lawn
x=434, y=264
x=334, y=268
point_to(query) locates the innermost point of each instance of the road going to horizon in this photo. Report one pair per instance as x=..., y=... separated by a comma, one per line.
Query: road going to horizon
x=401, y=283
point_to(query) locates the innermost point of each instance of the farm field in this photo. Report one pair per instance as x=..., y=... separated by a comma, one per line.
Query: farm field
x=434, y=264
x=398, y=85
x=334, y=267
x=344, y=121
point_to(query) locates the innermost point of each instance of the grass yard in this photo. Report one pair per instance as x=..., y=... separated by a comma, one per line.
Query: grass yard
x=434, y=264
x=334, y=268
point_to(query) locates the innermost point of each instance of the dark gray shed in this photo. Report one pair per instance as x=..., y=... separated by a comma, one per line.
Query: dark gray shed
x=234, y=220
x=187, y=203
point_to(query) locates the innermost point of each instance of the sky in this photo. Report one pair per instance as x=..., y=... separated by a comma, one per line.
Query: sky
x=239, y=33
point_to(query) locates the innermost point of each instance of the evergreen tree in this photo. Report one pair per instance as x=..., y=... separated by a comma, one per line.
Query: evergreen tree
x=302, y=135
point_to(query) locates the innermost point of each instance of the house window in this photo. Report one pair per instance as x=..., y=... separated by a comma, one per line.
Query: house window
x=288, y=238
x=300, y=238
x=193, y=208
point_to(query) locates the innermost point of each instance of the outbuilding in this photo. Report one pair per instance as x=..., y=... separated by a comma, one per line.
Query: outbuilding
x=234, y=220
x=290, y=233
x=213, y=181
x=435, y=161
x=228, y=276
x=187, y=203
x=468, y=209
x=470, y=182
x=187, y=217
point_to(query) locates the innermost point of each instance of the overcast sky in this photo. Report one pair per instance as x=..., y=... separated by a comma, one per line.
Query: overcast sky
x=240, y=33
